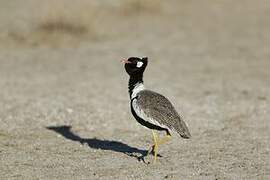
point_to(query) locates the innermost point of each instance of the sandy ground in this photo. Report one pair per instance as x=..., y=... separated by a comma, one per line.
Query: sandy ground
x=64, y=107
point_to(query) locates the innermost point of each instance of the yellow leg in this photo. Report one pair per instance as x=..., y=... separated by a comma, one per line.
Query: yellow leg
x=151, y=148
x=155, y=145
x=154, y=148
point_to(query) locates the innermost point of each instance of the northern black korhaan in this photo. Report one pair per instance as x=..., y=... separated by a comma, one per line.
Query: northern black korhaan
x=151, y=109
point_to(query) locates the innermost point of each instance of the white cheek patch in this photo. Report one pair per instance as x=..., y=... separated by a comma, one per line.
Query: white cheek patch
x=139, y=64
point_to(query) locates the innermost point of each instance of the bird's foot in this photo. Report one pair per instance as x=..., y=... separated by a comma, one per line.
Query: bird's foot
x=152, y=151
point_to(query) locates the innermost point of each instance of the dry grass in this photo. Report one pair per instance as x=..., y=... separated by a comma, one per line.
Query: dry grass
x=65, y=22
x=58, y=23
x=60, y=26
x=130, y=7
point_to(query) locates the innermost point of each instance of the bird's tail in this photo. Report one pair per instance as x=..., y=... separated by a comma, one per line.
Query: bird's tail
x=182, y=129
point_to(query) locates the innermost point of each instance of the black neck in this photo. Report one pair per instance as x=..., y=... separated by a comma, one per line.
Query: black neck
x=133, y=80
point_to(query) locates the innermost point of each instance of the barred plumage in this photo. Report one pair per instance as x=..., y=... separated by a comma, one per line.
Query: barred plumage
x=158, y=108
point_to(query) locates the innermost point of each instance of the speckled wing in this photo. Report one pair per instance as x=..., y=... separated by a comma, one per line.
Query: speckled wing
x=157, y=107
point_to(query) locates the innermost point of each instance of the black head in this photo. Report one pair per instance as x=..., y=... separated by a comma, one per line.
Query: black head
x=135, y=66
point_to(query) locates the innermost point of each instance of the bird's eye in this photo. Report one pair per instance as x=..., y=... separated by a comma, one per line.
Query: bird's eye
x=139, y=64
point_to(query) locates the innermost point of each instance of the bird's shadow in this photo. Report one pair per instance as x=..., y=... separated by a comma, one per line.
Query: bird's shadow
x=95, y=143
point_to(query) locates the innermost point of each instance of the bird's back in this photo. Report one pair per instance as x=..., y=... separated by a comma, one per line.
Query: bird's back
x=159, y=108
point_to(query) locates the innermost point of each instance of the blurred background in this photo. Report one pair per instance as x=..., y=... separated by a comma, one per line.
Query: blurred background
x=60, y=66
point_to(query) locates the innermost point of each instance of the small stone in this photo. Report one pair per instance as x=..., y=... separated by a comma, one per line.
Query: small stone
x=166, y=177
x=69, y=110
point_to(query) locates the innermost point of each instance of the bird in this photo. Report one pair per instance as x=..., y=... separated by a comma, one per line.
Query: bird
x=151, y=109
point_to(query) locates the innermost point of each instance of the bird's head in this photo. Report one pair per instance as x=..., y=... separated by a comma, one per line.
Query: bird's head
x=135, y=66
